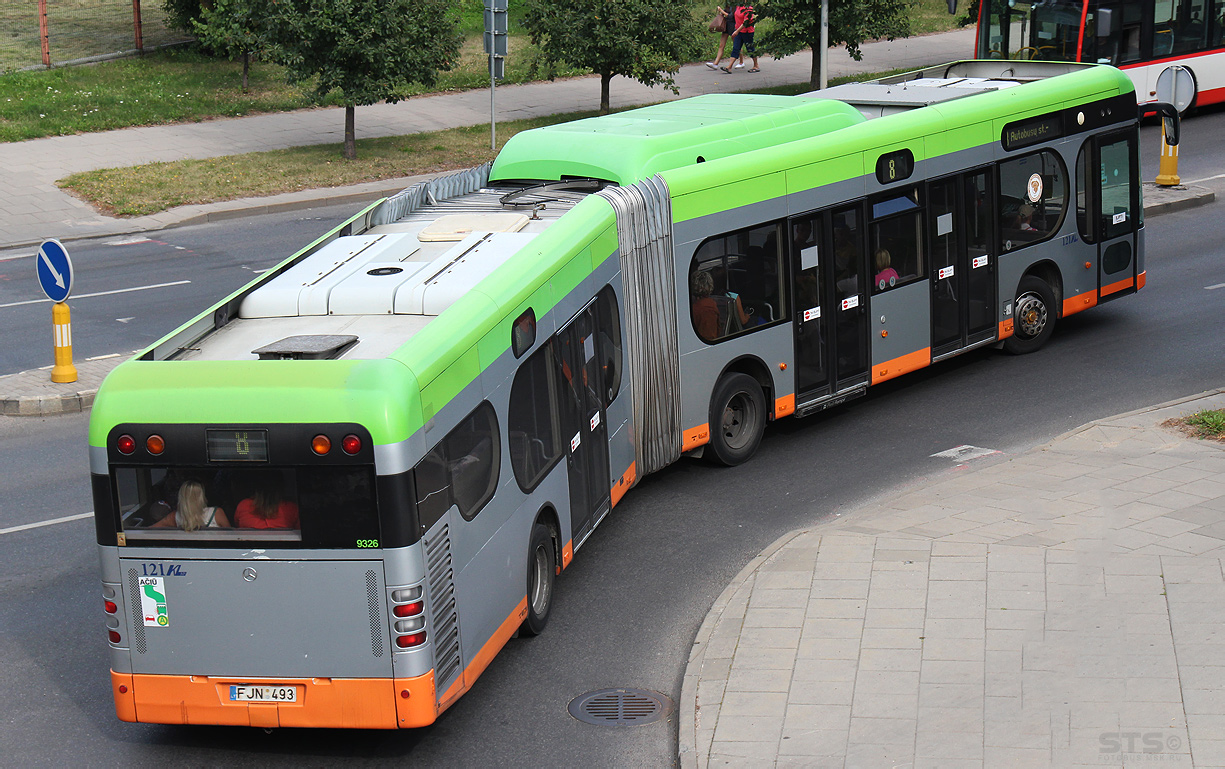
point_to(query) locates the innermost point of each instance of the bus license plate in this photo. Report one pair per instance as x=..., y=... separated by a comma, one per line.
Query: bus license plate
x=263, y=693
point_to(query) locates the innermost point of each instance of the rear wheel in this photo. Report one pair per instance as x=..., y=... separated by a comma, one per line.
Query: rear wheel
x=737, y=420
x=541, y=572
x=1033, y=316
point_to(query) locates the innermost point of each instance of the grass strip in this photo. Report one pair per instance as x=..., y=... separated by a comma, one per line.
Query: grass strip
x=1209, y=423
x=154, y=187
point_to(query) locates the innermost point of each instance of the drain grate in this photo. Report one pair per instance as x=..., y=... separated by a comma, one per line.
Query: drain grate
x=620, y=707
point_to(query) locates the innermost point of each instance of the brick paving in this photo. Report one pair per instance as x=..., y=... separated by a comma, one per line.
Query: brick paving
x=1062, y=607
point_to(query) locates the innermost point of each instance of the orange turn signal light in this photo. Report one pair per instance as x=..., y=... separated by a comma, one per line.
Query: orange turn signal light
x=155, y=444
x=321, y=444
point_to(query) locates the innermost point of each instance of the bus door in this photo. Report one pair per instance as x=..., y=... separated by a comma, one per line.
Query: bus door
x=963, y=277
x=831, y=343
x=1117, y=209
x=582, y=382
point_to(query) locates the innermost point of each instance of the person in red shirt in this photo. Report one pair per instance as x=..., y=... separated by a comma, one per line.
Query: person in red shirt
x=266, y=509
x=746, y=18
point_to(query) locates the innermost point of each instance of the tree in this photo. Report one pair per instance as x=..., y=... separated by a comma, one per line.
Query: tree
x=367, y=51
x=797, y=25
x=231, y=28
x=181, y=13
x=646, y=40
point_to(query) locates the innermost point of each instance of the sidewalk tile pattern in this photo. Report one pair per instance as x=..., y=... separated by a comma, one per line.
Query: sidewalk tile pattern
x=1062, y=607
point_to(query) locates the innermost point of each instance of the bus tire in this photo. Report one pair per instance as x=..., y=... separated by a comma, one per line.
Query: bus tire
x=1033, y=316
x=541, y=573
x=737, y=420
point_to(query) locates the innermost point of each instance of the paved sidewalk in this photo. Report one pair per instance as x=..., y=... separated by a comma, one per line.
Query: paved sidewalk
x=1063, y=607
x=32, y=208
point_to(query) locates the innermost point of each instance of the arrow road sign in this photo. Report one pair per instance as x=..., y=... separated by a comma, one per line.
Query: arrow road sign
x=54, y=270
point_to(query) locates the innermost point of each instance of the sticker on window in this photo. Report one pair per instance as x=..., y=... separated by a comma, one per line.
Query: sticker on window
x=153, y=601
x=812, y=314
x=1034, y=188
x=809, y=258
x=979, y=261
x=946, y=272
x=851, y=302
x=1120, y=217
x=576, y=441
x=595, y=420
x=944, y=224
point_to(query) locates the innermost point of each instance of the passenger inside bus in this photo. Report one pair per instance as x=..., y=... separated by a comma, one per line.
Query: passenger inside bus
x=193, y=511
x=886, y=276
x=714, y=315
x=267, y=508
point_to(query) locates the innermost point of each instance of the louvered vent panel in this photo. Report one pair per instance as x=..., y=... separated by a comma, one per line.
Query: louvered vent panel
x=376, y=616
x=135, y=612
x=444, y=620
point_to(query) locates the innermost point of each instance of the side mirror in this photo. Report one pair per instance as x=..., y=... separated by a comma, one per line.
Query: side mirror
x=1170, y=121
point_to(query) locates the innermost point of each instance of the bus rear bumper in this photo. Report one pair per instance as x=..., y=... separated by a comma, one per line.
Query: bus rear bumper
x=331, y=703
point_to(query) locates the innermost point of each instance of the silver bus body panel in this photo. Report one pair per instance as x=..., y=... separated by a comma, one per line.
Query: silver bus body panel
x=905, y=312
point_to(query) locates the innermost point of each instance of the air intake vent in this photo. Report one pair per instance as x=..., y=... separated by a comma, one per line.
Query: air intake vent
x=376, y=621
x=138, y=617
x=444, y=620
x=307, y=347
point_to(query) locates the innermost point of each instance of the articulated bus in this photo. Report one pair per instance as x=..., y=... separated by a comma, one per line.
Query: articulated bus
x=1150, y=40
x=333, y=497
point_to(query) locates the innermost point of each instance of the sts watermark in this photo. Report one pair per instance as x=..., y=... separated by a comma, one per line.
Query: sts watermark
x=1140, y=746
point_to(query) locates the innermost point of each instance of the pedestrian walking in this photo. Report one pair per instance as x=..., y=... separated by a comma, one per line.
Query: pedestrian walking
x=728, y=22
x=742, y=37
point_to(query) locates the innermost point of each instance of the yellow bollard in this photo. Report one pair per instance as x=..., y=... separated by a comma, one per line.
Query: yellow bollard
x=1167, y=170
x=61, y=319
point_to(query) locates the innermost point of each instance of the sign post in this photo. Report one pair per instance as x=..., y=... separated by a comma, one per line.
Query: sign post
x=54, y=269
x=495, y=46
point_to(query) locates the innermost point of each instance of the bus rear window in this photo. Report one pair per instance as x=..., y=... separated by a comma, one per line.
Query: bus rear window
x=325, y=507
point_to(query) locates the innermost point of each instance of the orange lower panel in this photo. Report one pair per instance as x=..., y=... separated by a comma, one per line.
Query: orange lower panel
x=567, y=553
x=485, y=655
x=333, y=703
x=1075, y=304
x=903, y=365
x=784, y=406
x=1114, y=288
x=624, y=483
x=1141, y=280
x=694, y=437
x=1005, y=328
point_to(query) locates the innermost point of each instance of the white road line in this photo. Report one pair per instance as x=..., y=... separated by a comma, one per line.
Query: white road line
x=51, y=522
x=1214, y=288
x=99, y=293
x=1205, y=179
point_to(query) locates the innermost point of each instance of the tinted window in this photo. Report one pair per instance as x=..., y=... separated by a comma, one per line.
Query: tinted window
x=532, y=425
x=523, y=333
x=609, y=320
x=897, y=244
x=1032, y=198
x=462, y=470
x=736, y=283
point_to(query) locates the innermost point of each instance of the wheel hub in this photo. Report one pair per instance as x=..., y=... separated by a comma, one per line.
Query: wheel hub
x=1031, y=315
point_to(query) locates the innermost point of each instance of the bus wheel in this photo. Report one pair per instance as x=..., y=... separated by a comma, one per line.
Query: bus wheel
x=1033, y=316
x=541, y=571
x=737, y=420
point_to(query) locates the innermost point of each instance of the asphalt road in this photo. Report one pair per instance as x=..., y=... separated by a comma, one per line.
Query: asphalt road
x=629, y=606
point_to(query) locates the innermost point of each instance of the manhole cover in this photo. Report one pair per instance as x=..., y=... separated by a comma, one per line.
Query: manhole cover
x=620, y=707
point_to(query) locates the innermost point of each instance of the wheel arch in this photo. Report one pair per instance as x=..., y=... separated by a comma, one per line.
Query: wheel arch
x=756, y=368
x=1049, y=273
x=547, y=515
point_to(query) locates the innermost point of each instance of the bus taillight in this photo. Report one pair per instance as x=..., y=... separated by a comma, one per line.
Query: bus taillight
x=351, y=444
x=408, y=606
x=409, y=641
x=114, y=636
x=126, y=444
x=110, y=607
x=408, y=609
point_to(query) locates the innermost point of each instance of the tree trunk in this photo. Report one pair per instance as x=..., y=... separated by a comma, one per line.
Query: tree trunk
x=605, y=79
x=350, y=137
x=246, y=66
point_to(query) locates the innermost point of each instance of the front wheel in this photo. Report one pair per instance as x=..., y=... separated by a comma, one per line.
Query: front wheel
x=541, y=572
x=1033, y=316
x=737, y=420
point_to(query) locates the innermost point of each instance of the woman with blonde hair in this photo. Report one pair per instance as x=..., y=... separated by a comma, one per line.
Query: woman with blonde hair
x=193, y=511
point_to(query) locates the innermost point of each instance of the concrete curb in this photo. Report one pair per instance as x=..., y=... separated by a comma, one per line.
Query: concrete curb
x=1167, y=200
x=688, y=710
x=33, y=394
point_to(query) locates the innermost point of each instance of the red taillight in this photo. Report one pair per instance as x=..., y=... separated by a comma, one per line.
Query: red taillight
x=126, y=444
x=155, y=444
x=321, y=444
x=111, y=608
x=115, y=636
x=351, y=444
x=408, y=609
x=407, y=641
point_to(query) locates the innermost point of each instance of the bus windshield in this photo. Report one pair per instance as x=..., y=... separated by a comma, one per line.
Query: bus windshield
x=307, y=507
x=1048, y=30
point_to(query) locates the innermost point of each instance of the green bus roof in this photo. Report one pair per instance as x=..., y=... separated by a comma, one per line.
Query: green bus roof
x=631, y=146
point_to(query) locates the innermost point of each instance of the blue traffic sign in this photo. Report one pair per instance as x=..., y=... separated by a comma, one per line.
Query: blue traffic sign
x=54, y=270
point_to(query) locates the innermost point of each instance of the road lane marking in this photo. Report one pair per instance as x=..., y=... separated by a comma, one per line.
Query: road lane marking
x=100, y=293
x=51, y=522
x=1205, y=179
x=965, y=453
x=1214, y=288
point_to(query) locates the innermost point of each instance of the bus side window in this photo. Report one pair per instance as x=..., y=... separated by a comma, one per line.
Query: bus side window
x=1032, y=199
x=461, y=470
x=737, y=283
x=609, y=325
x=532, y=425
